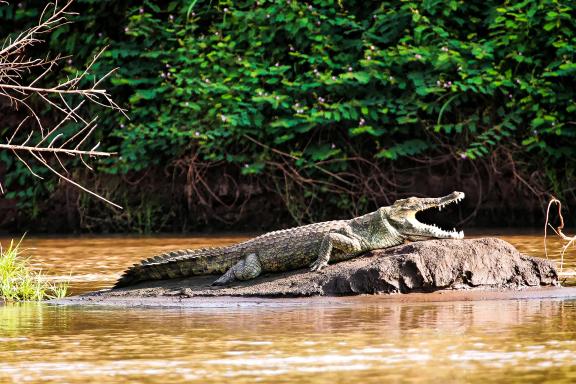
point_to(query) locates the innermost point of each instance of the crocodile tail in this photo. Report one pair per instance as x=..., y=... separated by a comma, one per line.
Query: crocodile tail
x=182, y=263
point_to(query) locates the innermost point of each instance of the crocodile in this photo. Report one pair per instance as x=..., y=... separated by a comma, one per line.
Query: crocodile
x=313, y=245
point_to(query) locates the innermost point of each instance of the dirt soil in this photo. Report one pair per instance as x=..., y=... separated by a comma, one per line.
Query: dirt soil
x=486, y=264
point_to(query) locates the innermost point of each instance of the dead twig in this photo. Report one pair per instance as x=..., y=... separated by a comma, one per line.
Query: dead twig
x=558, y=230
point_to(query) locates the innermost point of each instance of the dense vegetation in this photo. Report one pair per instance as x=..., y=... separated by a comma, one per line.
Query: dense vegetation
x=318, y=107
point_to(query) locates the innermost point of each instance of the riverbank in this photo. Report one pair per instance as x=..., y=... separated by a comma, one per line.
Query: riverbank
x=104, y=299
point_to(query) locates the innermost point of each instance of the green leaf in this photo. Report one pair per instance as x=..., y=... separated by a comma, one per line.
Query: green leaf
x=406, y=148
x=322, y=152
x=362, y=77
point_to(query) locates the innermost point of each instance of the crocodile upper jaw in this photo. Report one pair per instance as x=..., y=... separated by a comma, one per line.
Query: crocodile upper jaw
x=404, y=212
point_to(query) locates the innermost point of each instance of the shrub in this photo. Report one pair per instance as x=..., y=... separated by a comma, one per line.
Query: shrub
x=18, y=282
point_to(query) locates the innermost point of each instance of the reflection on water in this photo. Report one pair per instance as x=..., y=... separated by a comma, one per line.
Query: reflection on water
x=371, y=341
x=366, y=339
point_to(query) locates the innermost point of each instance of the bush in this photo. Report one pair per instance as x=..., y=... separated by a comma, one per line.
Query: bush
x=326, y=100
x=324, y=81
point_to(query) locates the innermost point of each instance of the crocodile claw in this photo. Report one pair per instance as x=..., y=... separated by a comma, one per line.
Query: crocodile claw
x=225, y=279
x=318, y=265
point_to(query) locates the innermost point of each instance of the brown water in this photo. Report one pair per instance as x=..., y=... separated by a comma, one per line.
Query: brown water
x=363, y=340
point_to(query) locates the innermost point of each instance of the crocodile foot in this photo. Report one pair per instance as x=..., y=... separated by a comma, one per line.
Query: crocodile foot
x=318, y=265
x=225, y=279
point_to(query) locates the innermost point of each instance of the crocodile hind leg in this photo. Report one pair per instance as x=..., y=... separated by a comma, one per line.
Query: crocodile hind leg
x=348, y=245
x=245, y=269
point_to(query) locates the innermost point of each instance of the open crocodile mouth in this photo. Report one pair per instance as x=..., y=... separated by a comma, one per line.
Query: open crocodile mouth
x=433, y=230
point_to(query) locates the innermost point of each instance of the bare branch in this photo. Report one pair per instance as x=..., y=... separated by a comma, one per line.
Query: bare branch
x=17, y=129
x=558, y=230
x=41, y=160
x=66, y=98
x=27, y=166
x=72, y=152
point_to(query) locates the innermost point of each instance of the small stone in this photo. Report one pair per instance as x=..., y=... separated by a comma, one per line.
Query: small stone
x=186, y=292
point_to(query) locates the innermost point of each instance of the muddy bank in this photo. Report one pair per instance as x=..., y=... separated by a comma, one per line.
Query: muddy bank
x=486, y=264
x=103, y=299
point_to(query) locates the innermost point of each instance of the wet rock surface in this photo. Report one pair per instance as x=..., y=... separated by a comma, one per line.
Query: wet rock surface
x=425, y=266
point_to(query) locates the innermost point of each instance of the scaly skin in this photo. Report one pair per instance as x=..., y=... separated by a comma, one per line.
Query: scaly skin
x=311, y=245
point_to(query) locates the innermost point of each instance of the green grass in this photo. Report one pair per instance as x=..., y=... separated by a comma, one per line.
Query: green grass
x=19, y=282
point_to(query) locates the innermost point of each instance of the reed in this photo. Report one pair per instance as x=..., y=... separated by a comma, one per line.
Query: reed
x=19, y=282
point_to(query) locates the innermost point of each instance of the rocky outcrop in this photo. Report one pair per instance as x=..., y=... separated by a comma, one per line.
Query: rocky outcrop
x=442, y=264
x=425, y=266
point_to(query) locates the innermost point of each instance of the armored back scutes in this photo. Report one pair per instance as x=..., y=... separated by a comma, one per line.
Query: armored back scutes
x=175, y=264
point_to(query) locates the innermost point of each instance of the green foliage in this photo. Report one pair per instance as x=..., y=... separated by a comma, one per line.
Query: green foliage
x=18, y=282
x=354, y=77
x=252, y=83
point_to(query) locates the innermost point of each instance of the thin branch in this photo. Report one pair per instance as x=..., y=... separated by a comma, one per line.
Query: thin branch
x=17, y=129
x=73, y=182
x=55, y=150
x=26, y=89
x=27, y=166
x=558, y=230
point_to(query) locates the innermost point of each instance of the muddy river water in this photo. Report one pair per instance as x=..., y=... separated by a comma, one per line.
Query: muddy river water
x=366, y=339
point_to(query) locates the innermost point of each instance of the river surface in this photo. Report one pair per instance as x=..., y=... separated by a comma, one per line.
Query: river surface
x=367, y=340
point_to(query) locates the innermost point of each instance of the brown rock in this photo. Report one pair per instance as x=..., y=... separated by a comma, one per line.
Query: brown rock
x=443, y=264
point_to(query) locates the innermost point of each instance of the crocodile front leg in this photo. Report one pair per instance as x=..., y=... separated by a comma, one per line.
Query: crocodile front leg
x=345, y=243
x=245, y=269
